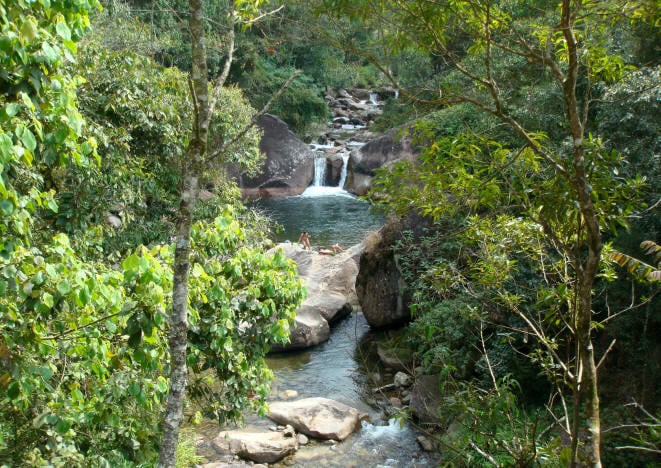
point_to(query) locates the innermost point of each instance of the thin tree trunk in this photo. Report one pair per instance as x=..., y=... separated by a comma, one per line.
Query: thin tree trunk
x=586, y=269
x=197, y=149
x=178, y=335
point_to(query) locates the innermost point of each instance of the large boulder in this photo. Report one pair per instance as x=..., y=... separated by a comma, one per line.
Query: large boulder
x=260, y=447
x=321, y=418
x=289, y=165
x=426, y=399
x=394, y=145
x=380, y=285
x=330, y=283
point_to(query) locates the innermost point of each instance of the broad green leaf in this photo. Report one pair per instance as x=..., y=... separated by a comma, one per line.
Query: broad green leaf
x=63, y=31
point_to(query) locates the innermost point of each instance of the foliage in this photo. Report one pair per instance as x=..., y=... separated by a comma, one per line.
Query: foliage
x=241, y=304
x=41, y=126
x=82, y=325
x=300, y=106
x=70, y=336
x=640, y=269
x=535, y=73
x=77, y=335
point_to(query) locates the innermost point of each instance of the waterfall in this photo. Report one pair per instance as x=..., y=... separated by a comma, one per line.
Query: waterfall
x=319, y=172
x=317, y=188
x=374, y=98
x=343, y=174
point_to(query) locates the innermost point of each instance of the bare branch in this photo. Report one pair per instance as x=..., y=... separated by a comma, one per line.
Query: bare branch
x=226, y=145
x=484, y=454
x=610, y=348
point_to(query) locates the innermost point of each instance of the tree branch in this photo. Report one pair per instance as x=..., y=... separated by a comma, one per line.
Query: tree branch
x=226, y=145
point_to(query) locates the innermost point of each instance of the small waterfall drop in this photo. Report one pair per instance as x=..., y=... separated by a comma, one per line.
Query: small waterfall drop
x=343, y=174
x=319, y=172
x=374, y=98
x=317, y=188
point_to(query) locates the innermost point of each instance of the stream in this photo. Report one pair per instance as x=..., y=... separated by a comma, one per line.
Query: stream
x=338, y=369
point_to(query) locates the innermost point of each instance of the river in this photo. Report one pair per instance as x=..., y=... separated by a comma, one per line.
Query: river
x=339, y=368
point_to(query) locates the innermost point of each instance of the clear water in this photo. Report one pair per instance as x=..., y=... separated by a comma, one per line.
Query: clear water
x=329, y=214
x=333, y=370
x=336, y=370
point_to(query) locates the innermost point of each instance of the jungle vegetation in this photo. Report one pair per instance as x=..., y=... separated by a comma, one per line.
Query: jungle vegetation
x=534, y=290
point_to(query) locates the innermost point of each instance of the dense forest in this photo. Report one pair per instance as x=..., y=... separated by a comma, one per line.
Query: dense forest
x=533, y=269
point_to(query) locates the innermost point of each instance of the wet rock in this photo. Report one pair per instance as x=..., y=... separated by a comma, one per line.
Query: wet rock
x=395, y=402
x=287, y=394
x=425, y=399
x=233, y=465
x=388, y=359
x=320, y=418
x=378, y=285
x=260, y=447
x=302, y=439
x=425, y=443
x=394, y=145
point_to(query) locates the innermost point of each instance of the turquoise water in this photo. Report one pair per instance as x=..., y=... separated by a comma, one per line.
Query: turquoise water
x=328, y=214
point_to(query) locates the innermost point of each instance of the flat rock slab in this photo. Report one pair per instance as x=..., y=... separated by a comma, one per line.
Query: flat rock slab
x=320, y=418
x=260, y=447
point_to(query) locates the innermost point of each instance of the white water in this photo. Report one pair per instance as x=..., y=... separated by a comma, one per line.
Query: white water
x=319, y=172
x=318, y=189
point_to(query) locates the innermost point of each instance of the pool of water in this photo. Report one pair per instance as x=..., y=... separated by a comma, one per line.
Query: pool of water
x=329, y=214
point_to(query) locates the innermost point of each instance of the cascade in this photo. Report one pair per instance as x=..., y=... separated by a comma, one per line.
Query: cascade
x=345, y=165
x=319, y=172
x=374, y=98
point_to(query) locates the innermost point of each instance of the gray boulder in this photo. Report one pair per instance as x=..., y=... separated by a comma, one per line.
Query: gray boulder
x=330, y=283
x=380, y=285
x=320, y=418
x=426, y=399
x=394, y=145
x=260, y=447
x=289, y=165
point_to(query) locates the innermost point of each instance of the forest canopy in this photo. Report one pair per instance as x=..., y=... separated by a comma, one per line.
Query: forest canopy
x=534, y=287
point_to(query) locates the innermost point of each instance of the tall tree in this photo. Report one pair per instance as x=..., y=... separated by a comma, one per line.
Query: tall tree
x=481, y=48
x=199, y=158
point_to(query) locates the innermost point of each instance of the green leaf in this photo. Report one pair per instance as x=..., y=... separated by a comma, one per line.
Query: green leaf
x=84, y=295
x=6, y=148
x=63, y=31
x=111, y=326
x=52, y=205
x=11, y=109
x=62, y=426
x=64, y=287
x=162, y=384
x=6, y=207
x=28, y=139
x=13, y=391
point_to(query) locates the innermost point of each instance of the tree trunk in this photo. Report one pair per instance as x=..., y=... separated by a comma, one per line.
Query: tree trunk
x=586, y=269
x=197, y=149
x=178, y=335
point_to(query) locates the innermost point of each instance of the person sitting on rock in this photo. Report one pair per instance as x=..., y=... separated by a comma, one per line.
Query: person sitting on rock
x=305, y=240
